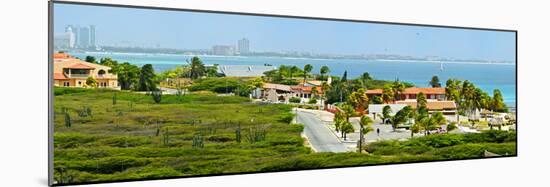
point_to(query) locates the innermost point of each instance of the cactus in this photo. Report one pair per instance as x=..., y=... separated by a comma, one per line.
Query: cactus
x=166, y=138
x=238, y=134
x=85, y=112
x=114, y=99
x=158, y=132
x=64, y=110
x=198, y=141
x=68, y=122
x=256, y=135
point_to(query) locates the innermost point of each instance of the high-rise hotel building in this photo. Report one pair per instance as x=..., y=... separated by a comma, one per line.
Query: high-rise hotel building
x=243, y=46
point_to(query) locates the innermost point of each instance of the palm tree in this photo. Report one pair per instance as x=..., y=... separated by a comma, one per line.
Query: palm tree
x=498, y=102
x=401, y=116
x=421, y=100
x=397, y=88
x=324, y=70
x=307, y=69
x=339, y=119
x=197, y=68
x=365, y=122
x=387, y=94
x=325, y=88
x=366, y=76
x=434, y=82
x=348, y=111
x=415, y=128
x=431, y=123
x=386, y=113
x=359, y=100
x=293, y=69
x=478, y=100
x=453, y=89
x=468, y=96
x=346, y=128
x=314, y=92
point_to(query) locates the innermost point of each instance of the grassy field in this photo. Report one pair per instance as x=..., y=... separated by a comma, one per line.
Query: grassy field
x=132, y=137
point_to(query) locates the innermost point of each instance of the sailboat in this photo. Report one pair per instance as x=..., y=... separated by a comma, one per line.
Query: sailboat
x=441, y=67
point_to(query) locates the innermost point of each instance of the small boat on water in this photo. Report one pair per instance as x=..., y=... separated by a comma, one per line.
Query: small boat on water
x=441, y=67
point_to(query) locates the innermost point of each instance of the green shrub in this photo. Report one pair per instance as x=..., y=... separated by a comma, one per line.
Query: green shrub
x=287, y=118
x=157, y=96
x=451, y=126
x=294, y=100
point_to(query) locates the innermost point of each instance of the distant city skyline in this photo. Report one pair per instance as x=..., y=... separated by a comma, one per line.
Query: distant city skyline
x=194, y=30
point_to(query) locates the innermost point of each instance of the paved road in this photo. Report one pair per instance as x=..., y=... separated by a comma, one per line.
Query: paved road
x=386, y=132
x=319, y=136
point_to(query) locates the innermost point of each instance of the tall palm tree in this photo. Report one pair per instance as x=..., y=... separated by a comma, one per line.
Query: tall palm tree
x=386, y=111
x=324, y=70
x=197, y=68
x=359, y=100
x=347, y=127
x=366, y=126
x=468, y=96
x=348, y=111
x=434, y=82
x=339, y=118
x=387, y=94
x=453, y=88
x=307, y=69
x=398, y=89
x=421, y=100
x=314, y=92
x=498, y=102
x=325, y=89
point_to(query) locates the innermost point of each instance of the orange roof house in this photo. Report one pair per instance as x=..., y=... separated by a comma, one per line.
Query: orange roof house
x=410, y=93
x=80, y=66
x=446, y=107
x=61, y=56
x=59, y=76
x=72, y=72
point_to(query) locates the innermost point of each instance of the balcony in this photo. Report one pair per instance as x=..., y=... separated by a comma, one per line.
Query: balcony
x=106, y=76
x=77, y=75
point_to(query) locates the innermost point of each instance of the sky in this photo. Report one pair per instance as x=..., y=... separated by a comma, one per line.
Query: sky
x=193, y=30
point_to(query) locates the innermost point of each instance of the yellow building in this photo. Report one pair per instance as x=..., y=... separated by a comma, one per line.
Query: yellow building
x=72, y=72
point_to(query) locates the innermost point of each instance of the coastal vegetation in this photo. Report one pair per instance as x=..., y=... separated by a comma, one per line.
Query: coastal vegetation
x=198, y=134
x=105, y=135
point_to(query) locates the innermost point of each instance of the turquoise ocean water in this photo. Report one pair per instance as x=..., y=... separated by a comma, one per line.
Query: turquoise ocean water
x=486, y=76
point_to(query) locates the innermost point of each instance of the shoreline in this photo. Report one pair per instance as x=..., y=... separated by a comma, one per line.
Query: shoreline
x=301, y=58
x=163, y=65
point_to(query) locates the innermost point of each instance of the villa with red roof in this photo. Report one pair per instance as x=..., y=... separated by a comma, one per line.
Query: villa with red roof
x=282, y=93
x=72, y=72
x=410, y=93
x=435, y=97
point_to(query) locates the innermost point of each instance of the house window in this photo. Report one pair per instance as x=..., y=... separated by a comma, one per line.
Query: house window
x=79, y=83
x=66, y=84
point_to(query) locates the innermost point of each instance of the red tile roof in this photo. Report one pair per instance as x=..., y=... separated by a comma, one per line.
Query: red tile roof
x=59, y=76
x=432, y=105
x=61, y=56
x=80, y=66
x=306, y=89
x=413, y=90
x=277, y=86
